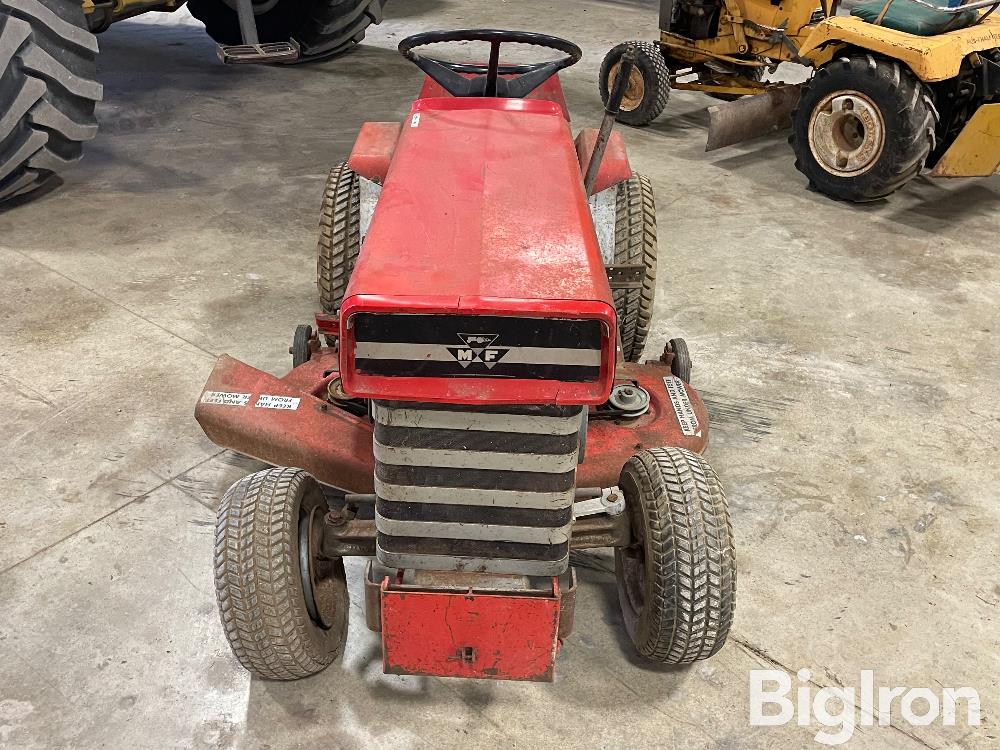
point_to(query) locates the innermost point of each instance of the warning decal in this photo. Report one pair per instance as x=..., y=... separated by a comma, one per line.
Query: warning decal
x=222, y=398
x=277, y=402
x=686, y=417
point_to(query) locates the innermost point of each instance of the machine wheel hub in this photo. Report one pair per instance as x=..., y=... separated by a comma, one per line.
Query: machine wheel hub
x=846, y=133
x=634, y=91
x=317, y=573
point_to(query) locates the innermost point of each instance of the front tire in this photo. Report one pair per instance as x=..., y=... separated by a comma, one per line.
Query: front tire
x=283, y=620
x=321, y=27
x=677, y=580
x=648, y=87
x=863, y=128
x=48, y=90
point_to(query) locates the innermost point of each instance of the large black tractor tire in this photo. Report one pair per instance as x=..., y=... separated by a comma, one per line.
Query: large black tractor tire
x=282, y=623
x=635, y=245
x=677, y=580
x=648, y=87
x=48, y=89
x=863, y=128
x=321, y=27
x=339, y=236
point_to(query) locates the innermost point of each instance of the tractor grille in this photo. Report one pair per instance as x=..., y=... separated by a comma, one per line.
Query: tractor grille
x=485, y=346
x=475, y=488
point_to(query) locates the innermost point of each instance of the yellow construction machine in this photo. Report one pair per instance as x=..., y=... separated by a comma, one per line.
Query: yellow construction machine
x=48, y=64
x=896, y=85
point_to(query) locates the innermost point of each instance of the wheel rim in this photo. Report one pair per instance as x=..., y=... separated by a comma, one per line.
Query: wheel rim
x=317, y=573
x=846, y=133
x=634, y=91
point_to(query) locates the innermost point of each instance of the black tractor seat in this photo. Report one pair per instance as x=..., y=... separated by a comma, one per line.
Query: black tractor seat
x=913, y=18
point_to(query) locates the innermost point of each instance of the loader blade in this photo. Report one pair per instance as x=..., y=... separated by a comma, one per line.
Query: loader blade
x=751, y=116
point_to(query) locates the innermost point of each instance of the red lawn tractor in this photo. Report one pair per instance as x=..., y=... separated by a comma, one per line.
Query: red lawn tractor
x=473, y=391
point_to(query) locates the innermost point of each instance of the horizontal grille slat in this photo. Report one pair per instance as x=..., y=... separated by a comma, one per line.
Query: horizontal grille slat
x=465, y=459
x=475, y=440
x=482, y=533
x=444, y=513
x=422, y=476
x=473, y=548
x=474, y=496
x=535, y=422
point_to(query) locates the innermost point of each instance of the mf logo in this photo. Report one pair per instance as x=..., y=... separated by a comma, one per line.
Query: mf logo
x=478, y=348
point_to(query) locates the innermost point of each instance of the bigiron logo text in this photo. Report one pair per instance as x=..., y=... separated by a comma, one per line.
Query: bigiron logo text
x=478, y=348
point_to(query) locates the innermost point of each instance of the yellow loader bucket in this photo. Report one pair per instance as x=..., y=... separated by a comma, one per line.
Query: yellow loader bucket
x=976, y=151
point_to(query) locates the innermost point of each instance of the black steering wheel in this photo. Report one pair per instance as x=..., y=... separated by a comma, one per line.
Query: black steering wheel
x=488, y=81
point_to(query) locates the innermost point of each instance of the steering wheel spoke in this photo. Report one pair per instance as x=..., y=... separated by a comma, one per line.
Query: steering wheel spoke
x=493, y=79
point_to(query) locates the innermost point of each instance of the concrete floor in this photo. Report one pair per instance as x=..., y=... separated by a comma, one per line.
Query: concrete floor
x=849, y=356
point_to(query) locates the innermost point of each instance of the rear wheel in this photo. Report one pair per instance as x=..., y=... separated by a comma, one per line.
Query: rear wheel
x=283, y=605
x=635, y=245
x=339, y=236
x=648, y=87
x=863, y=128
x=321, y=27
x=48, y=89
x=680, y=365
x=677, y=580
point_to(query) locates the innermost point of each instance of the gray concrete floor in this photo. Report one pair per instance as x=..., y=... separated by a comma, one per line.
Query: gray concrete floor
x=849, y=356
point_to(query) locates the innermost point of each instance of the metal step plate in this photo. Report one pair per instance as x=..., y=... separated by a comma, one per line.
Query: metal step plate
x=270, y=53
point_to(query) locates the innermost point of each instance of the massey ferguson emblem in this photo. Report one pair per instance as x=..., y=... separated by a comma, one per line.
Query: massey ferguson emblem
x=478, y=348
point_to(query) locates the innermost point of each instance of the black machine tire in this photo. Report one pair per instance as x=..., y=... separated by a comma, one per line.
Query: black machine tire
x=301, y=348
x=905, y=125
x=321, y=27
x=264, y=605
x=48, y=90
x=339, y=236
x=680, y=365
x=635, y=244
x=649, y=84
x=677, y=581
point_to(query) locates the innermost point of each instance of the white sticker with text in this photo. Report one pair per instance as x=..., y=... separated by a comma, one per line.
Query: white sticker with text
x=223, y=398
x=686, y=417
x=277, y=402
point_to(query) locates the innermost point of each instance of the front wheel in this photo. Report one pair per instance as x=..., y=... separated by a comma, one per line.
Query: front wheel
x=648, y=87
x=677, y=580
x=283, y=604
x=863, y=128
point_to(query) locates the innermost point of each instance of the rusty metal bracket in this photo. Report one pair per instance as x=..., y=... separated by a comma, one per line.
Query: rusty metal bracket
x=625, y=276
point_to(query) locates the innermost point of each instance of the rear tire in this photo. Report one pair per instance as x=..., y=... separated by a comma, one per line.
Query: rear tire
x=339, y=236
x=321, y=27
x=677, y=581
x=635, y=244
x=48, y=90
x=259, y=583
x=648, y=87
x=863, y=128
x=680, y=366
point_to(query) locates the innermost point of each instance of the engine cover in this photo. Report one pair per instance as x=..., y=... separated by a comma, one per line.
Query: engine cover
x=480, y=279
